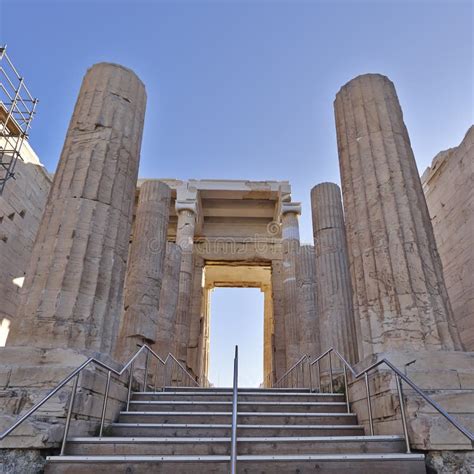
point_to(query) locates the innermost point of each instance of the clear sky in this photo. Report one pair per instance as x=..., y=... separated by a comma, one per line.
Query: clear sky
x=244, y=89
x=236, y=319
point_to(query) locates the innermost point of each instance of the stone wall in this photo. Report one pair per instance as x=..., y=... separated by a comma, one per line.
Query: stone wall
x=21, y=207
x=449, y=190
x=446, y=376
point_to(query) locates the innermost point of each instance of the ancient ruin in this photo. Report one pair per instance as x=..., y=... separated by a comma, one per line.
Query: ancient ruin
x=113, y=265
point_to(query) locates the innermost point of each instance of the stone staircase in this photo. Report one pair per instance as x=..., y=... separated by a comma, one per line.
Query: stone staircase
x=187, y=430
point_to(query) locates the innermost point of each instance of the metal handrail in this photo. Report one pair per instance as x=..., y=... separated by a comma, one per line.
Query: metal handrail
x=299, y=363
x=233, y=440
x=399, y=376
x=110, y=370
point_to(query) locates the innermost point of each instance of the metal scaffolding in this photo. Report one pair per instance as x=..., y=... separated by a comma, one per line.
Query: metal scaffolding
x=17, y=109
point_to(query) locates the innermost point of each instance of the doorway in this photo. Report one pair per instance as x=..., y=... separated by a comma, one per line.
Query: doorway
x=237, y=318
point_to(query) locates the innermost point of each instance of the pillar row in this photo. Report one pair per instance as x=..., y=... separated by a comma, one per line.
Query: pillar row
x=333, y=281
x=291, y=243
x=308, y=317
x=185, y=239
x=145, y=268
x=166, y=326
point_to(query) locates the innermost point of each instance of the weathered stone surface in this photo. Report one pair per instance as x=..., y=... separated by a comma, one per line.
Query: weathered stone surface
x=269, y=336
x=73, y=288
x=33, y=373
x=145, y=269
x=449, y=190
x=400, y=299
x=449, y=462
x=308, y=318
x=279, y=358
x=165, y=334
x=334, y=291
x=185, y=240
x=196, y=316
x=438, y=373
x=21, y=207
x=27, y=461
x=291, y=245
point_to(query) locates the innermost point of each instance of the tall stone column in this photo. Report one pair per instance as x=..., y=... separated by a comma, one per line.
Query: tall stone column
x=333, y=281
x=400, y=298
x=291, y=242
x=185, y=239
x=308, y=318
x=204, y=338
x=73, y=294
x=166, y=327
x=145, y=269
x=74, y=285
x=279, y=357
x=268, y=336
x=195, y=315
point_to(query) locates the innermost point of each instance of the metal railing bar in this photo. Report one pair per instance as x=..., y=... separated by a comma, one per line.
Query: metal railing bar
x=104, y=405
x=76, y=371
x=233, y=446
x=69, y=414
x=408, y=381
x=291, y=369
x=183, y=368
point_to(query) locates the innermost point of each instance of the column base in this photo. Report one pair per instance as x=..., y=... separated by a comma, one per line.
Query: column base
x=446, y=376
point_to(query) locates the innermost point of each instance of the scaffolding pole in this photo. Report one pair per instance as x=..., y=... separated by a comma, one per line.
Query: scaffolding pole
x=17, y=109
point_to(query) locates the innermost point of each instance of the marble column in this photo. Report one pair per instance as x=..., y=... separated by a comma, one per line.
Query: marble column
x=195, y=315
x=333, y=281
x=185, y=239
x=204, y=335
x=400, y=298
x=268, y=336
x=279, y=356
x=291, y=242
x=166, y=327
x=74, y=285
x=145, y=269
x=308, y=318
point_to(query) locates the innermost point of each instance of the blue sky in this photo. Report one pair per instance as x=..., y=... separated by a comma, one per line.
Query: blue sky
x=244, y=89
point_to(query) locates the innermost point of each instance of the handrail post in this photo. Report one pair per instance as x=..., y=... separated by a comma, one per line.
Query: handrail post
x=310, y=376
x=402, y=412
x=69, y=413
x=369, y=406
x=319, y=377
x=346, y=388
x=104, y=406
x=146, y=372
x=165, y=375
x=330, y=374
x=130, y=381
x=233, y=447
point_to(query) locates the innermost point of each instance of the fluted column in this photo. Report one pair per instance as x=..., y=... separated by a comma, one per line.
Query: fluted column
x=268, y=336
x=166, y=327
x=195, y=315
x=291, y=242
x=145, y=268
x=333, y=281
x=204, y=334
x=74, y=284
x=279, y=357
x=308, y=318
x=185, y=239
x=400, y=297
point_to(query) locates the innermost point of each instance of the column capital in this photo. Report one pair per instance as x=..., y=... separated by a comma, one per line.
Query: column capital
x=290, y=207
x=186, y=205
